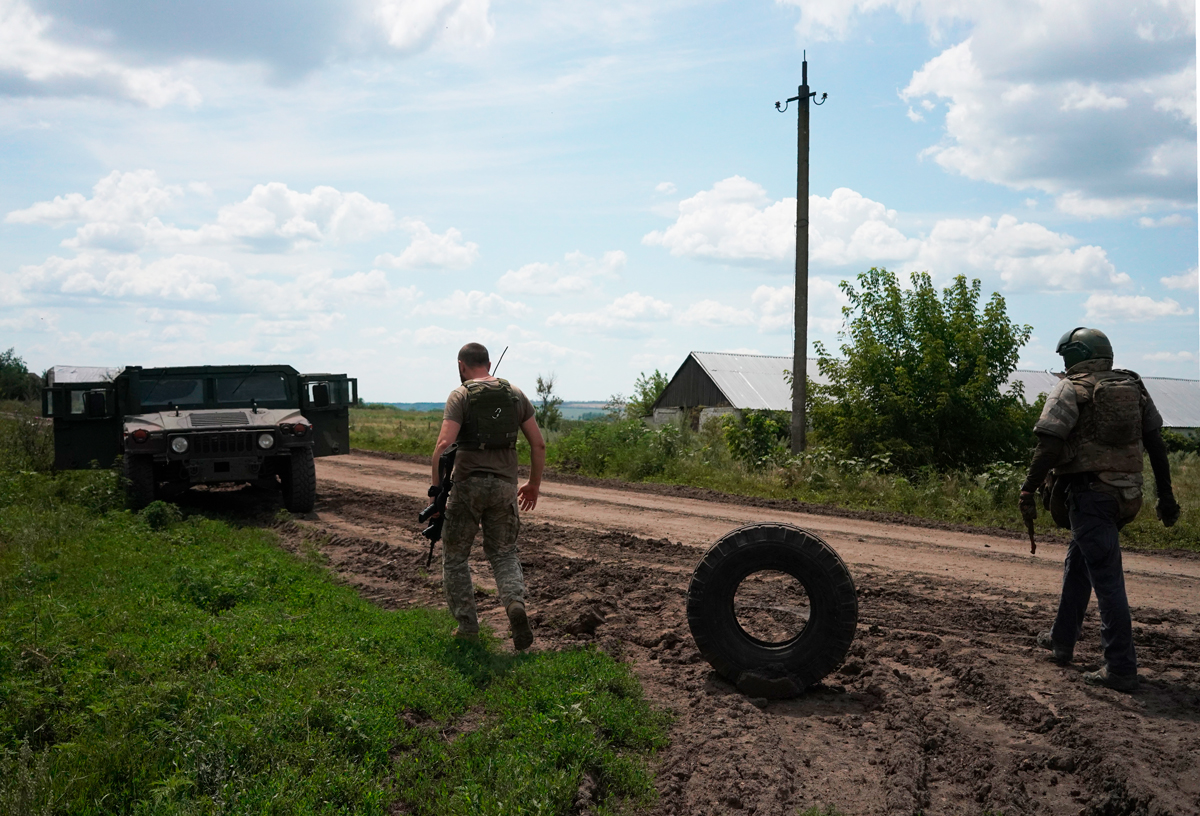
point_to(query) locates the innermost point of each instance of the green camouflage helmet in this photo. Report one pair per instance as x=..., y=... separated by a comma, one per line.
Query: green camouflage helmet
x=1081, y=344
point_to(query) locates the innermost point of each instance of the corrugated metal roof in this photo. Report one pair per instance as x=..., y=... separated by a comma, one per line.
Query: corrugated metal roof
x=1177, y=400
x=755, y=381
x=79, y=374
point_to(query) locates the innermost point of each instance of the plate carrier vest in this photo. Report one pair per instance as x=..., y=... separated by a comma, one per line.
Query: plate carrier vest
x=491, y=422
x=1108, y=435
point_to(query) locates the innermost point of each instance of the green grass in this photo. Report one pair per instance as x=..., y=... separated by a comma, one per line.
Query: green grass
x=384, y=428
x=155, y=664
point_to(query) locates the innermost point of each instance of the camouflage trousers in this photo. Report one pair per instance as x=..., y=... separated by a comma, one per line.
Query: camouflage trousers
x=492, y=503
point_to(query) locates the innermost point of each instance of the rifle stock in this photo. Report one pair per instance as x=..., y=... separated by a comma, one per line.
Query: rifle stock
x=435, y=513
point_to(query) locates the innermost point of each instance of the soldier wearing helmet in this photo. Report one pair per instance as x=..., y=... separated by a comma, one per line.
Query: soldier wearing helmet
x=1091, y=435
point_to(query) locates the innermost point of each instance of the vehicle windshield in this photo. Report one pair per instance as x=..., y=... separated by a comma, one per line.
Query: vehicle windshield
x=257, y=387
x=182, y=392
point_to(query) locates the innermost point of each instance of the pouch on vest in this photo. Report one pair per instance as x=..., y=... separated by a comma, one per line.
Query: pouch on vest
x=491, y=421
x=1117, y=411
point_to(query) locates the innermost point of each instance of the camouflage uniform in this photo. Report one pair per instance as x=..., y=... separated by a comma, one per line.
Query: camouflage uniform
x=492, y=502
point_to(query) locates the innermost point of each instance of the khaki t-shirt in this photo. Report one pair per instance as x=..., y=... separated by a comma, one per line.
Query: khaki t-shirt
x=503, y=463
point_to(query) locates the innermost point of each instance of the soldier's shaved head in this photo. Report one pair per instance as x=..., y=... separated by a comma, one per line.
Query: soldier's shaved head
x=474, y=355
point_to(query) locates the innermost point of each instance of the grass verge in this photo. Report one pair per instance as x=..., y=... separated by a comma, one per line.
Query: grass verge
x=630, y=450
x=153, y=664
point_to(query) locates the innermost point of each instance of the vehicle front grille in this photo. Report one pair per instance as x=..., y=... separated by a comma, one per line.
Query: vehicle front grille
x=216, y=420
x=223, y=444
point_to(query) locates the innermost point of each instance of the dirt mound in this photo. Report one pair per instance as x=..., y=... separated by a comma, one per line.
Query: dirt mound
x=943, y=706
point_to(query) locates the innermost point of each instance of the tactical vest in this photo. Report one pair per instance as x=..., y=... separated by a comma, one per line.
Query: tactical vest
x=1108, y=435
x=491, y=422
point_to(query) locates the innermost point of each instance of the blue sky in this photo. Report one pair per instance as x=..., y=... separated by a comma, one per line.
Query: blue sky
x=602, y=186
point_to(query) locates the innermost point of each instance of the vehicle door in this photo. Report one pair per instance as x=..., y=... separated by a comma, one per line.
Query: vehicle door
x=87, y=424
x=325, y=401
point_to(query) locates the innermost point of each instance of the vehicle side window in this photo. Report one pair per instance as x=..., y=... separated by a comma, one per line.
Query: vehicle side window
x=77, y=401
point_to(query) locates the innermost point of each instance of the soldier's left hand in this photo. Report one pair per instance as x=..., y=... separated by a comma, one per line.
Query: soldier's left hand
x=1168, y=510
x=527, y=496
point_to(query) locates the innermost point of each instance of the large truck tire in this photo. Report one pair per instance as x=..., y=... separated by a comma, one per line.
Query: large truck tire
x=140, y=483
x=299, y=480
x=758, y=668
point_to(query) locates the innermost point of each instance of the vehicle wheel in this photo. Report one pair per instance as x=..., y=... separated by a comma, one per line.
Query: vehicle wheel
x=140, y=483
x=298, y=477
x=775, y=666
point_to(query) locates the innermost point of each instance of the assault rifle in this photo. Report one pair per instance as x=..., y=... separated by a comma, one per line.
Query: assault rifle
x=437, y=510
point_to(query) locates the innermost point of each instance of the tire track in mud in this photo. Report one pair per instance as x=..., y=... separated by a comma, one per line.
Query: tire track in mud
x=944, y=704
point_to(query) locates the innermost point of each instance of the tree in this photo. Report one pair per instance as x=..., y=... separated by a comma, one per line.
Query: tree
x=646, y=391
x=922, y=378
x=16, y=382
x=547, y=411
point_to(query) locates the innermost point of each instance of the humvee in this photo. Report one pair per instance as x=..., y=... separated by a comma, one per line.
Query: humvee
x=182, y=426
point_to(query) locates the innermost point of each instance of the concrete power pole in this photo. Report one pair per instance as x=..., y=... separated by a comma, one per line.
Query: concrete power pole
x=800, y=314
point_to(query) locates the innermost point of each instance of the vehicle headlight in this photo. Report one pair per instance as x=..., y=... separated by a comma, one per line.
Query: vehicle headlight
x=179, y=444
x=266, y=441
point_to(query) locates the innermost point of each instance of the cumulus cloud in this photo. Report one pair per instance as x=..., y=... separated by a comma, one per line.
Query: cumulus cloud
x=123, y=216
x=575, y=274
x=144, y=51
x=429, y=250
x=180, y=277
x=1170, y=356
x=735, y=221
x=629, y=314
x=1131, y=308
x=474, y=304
x=1027, y=107
x=32, y=61
x=1173, y=220
x=1188, y=281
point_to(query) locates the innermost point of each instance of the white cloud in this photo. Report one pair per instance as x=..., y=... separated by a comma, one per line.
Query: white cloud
x=31, y=320
x=273, y=215
x=665, y=187
x=731, y=222
x=429, y=250
x=1031, y=108
x=1170, y=356
x=474, y=304
x=1173, y=220
x=29, y=55
x=413, y=25
x=1131, y=308
x=736, y=221
x=1188, y=281
x=118, y=198
x=575, y=274
x=181, y=277
x=714, y=314
x=627, y=315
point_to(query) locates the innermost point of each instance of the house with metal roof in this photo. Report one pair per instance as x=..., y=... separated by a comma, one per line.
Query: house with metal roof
x=719, y=383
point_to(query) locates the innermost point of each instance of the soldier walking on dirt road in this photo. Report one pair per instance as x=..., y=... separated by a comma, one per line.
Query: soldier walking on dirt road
x=1095, y=425
x=483, y=415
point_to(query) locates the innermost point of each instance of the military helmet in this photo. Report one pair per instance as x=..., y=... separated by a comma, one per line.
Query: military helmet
x=1082, y=343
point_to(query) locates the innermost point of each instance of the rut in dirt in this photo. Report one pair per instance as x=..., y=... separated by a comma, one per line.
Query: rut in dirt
x=944, y=704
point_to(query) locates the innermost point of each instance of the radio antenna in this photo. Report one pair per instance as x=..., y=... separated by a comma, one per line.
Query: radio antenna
x=498, y=362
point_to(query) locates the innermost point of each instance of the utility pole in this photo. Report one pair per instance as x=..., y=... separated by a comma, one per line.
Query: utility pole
x=800, y=312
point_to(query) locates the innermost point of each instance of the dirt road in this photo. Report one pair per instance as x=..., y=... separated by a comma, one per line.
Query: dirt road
x=944, y=706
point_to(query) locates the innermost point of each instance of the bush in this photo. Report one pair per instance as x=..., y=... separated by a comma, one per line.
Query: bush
x=757, y=437
x=1181, y=443
x=547, y=412
x=920, y=377
x=16, y=381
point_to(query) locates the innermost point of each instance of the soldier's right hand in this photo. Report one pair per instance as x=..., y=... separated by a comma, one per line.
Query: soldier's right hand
x=1027, y=505
x=1168, y=510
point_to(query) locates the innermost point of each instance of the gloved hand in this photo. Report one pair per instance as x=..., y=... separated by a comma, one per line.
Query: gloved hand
x=1167, y=510
x=1027, y=504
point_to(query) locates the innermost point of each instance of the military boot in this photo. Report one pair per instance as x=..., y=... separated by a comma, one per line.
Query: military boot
x=1116, y=682
x=1062, y=655
x=522, y=635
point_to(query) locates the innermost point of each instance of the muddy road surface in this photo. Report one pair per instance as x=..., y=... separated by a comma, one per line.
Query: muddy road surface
x=944, y=705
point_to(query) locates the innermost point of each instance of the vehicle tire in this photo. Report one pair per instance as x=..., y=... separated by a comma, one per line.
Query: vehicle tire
x=298, y=477
x=140, y=484
x=758, y=668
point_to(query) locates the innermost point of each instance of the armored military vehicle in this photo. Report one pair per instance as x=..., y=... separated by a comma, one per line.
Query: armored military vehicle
x=183, y=426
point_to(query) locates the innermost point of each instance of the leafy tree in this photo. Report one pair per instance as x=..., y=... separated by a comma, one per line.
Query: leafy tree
x=757, y=436
x=16, y=381
x=547, y=411
x=921, y=377
x=646, y=391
